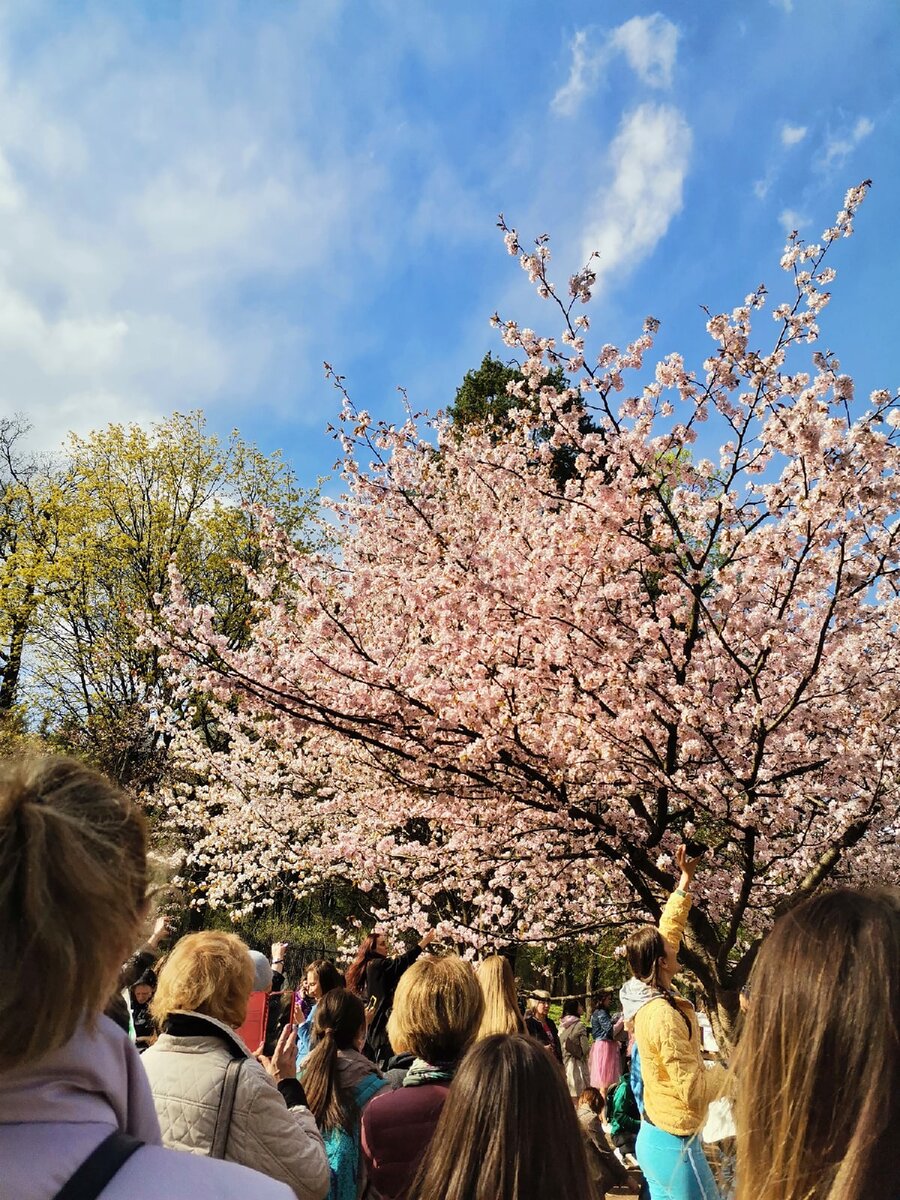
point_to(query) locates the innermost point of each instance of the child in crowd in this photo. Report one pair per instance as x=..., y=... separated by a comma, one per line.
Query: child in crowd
x=339, y=1082
x=604, y=1168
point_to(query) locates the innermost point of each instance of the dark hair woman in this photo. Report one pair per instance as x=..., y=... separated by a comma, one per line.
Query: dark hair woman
x=508, y=1130
x=373, y=975
x=321, y=976
x=339, y=1082
x=818, y=1063
x=677, y=1087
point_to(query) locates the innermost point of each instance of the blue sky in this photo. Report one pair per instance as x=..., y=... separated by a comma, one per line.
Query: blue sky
x=201, y=202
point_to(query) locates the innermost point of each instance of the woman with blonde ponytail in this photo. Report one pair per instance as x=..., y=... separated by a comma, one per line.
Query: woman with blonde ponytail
x=339, y=1081
x=74, y=1098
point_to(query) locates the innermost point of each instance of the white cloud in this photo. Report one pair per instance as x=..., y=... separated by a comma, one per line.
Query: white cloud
x=792, y=134
x=649, y=45
x=648, y=161
x=583, y=75
x=761, y=186
x=138, y=213
x=789, y=220
x=839, y=147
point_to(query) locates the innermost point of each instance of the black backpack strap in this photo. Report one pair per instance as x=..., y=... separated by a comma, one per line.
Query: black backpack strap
x=99, y=1167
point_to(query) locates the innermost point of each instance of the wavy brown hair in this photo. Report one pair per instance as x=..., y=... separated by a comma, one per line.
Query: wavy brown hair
x=73, y=883
x=356, y=972
x=501, y=1004
x=818, y=1062
x=508, y=1130
x=340, y=1016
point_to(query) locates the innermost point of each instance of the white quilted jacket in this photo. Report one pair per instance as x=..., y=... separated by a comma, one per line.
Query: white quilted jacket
x=186, y=1077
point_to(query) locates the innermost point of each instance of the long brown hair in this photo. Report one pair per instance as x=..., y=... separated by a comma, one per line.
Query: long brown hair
x=73, y=880
x=501, y=1005
x=818, y=1062
x=508, y=1130
x=644, y=948
x=339, y=1018
x=356, y=972
x=326, y=973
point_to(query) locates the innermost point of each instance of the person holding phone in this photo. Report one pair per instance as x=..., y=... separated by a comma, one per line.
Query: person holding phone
x=373, y=976
x=677, y=1086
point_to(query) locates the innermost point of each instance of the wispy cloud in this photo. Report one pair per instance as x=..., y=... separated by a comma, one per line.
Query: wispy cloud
x=134, y=227
x=789, y=220
x=839, y=147
x=762, y=186
x=648, y=161
x=648, y=44
x=792, y=134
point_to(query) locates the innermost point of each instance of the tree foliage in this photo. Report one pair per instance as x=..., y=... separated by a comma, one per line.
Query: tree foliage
x=87, y=539
x=506, y=703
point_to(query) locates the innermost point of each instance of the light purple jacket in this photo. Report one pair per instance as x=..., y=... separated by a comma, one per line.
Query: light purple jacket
x=55, y=1112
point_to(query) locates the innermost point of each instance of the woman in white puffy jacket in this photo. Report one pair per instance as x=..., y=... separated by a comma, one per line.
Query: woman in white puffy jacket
x=253, y=1112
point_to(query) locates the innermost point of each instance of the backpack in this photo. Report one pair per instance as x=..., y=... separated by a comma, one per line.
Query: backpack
x=622, y=1110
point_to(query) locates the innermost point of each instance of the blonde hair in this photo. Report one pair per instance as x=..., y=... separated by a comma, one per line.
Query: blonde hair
x=73, y=881
x=437, y=1009
x=501, y=1006
x=210, y=973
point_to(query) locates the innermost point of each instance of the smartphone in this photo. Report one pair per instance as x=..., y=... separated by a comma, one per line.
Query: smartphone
x=695, y=849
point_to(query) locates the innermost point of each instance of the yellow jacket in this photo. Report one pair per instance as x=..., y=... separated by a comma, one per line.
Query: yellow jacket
x=678, y=1087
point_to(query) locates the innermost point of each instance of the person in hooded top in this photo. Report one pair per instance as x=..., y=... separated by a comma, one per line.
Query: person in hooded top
x=340, y=1081
x=677, y=1086
x=575, y=1045
x=73, y=892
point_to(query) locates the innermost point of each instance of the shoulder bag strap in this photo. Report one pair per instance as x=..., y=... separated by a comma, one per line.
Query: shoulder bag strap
x=226, y=1107
x=99, y=1167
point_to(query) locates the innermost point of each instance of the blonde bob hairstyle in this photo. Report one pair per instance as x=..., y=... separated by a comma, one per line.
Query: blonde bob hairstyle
x=209, y=973
x=437, y=1010
x=501, y=1004
x=73, y=884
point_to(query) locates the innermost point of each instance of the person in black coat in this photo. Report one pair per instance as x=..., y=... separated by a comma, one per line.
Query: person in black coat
x=373, y=975
x=540, y=1026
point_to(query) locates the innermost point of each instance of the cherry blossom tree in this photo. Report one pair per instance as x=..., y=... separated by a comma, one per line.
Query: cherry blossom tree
x=506, y=700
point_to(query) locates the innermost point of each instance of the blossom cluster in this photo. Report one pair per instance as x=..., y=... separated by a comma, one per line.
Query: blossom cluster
x=506, y=700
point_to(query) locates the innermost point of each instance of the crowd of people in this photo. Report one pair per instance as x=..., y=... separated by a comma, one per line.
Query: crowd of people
x=412, y=1076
